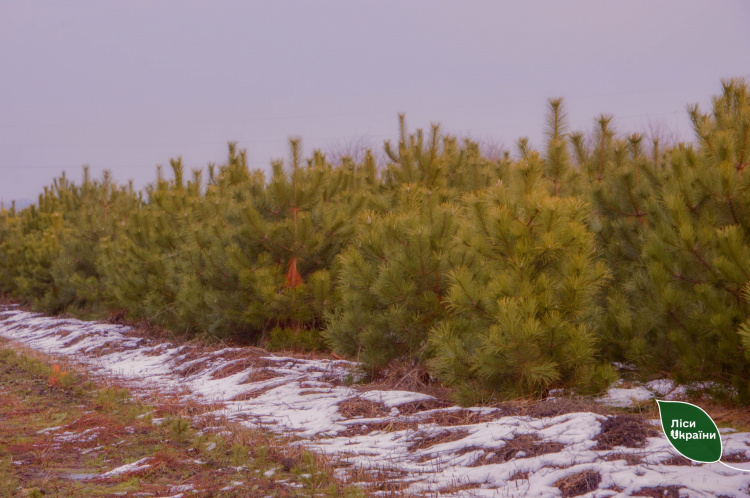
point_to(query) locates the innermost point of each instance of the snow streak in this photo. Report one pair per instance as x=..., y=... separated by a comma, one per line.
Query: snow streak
x=400, y=437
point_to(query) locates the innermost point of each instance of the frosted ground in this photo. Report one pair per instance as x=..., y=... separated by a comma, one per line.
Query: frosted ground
x=403, y=436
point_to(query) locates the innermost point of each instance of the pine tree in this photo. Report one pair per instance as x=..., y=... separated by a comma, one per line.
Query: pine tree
x=623, y=186
x=286, y=241
x=414, y=162
x=696, y=255
x=9, y=236
x=93, y=216
x=144, y=264
x=438, y=164
x=505, y=277
x=525, y=311
x=557, y=168
x=392, y=280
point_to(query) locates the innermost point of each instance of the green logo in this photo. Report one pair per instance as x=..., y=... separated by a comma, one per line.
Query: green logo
x=691, y=432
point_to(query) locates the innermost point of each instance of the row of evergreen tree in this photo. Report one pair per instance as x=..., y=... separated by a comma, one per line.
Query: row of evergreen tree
x=501, y=277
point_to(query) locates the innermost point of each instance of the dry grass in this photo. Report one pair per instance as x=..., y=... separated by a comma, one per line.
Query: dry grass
x=626, y=430
x=677, y=460
x=421, y=439
x=547, y=408
x=727, y=416
x=660, y=492
x=422, y=405
x=6, y=300
x=252, y=394
x=174, y=405
x=231, y=368
x=71, y=342
x=517, y=408
x=619, y=429
x=517, y=476
x=630, y=458
x=446, y=418
x=193, y=368
x=260, y=375
x=579, y=484
x=105, y=349
x=384, y=481
x=95, y=427
x=404, y=376
x=63, y=333
x=527, y=444
x=735, y=458
x=465, y=489
x=357, y=407
x=65, y=362
x=359, y=429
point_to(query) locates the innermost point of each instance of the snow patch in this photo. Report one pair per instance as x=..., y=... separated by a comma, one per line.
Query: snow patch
x=625, y=397
x=303, y=397
x=128, y=469
x=662, y=387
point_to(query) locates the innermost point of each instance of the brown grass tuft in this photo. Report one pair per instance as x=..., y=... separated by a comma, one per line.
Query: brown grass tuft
x=357, y=407
x=422, y=405
x=94, y=420
x=259, y=375
x=231, y=368
x=253, y=394
x=423, y=439
x=517, y=476
x=579, y=484
x=10, y=401
x=735, y=458
x=73, y=341
x=385, y=426
x=630, y=458
x=192, y=368
x=446, y=418
x=626, y=430
x=548, y=408
x=464, y=489
x=404, y=376
x=529, y=444
x=660, y=492
x=677, y=460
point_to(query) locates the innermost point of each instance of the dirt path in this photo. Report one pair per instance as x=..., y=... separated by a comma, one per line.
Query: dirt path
x=401, y=440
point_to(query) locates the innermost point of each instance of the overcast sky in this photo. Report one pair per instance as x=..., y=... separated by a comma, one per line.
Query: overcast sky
x=127, y=85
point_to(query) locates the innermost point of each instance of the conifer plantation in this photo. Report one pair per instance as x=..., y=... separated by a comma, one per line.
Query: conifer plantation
x=501, y=277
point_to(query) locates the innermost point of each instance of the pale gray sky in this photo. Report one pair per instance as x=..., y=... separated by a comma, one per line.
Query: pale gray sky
x=126, y=85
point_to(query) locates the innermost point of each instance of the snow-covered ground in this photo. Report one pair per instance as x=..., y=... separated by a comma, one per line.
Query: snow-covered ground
x=405, y=436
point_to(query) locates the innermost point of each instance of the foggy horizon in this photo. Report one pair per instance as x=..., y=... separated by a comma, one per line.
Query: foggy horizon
x=128, y=86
